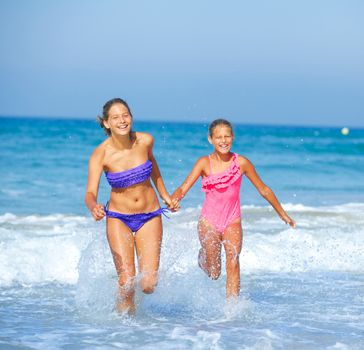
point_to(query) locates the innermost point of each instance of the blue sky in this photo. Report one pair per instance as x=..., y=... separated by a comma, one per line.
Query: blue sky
x=275, y=62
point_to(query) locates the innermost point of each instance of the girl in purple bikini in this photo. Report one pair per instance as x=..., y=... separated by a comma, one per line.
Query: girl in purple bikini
x=133, y=211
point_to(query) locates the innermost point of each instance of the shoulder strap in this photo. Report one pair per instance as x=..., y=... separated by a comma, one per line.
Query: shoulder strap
x=236, y=159
x=210, y=164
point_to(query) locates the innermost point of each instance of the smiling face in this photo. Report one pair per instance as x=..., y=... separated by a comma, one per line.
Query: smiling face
x=222, y=138
x=119, y=120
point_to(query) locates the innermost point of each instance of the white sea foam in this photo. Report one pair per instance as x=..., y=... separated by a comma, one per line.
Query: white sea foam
x=38, y=249
x=64, y=248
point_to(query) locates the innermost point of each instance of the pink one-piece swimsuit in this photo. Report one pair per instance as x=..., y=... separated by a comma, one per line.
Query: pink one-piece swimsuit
x=222, y=201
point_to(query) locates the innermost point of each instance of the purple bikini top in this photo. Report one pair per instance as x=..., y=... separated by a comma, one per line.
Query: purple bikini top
x=131, y=176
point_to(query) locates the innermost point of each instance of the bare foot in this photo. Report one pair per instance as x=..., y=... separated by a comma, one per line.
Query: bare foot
x=125, y=307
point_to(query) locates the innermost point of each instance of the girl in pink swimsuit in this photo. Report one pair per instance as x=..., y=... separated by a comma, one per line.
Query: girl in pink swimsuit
x=220, y=221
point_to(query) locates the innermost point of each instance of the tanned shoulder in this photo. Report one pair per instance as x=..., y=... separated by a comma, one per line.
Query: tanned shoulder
x=244, y=163
x=144, y=138
x=98, y=155
x=204, y=164
x=99, y=151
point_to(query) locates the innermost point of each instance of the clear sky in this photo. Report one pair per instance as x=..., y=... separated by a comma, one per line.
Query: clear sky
x=273, y=61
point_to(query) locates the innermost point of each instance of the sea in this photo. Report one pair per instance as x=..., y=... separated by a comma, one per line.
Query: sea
x=301, y=288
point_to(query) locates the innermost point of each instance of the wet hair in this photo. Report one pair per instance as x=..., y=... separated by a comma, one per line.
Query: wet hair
x=218, y=122
x=106, y=109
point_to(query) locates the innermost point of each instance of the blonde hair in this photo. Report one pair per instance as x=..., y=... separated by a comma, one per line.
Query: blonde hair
x=218, y=122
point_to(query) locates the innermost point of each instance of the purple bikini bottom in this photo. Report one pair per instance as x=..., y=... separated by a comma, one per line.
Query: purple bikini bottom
x=135, y=221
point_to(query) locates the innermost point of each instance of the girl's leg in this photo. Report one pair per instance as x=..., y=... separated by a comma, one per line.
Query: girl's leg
x=210, y=253
x=148, y=241
x=232, y=240
x=121, y=241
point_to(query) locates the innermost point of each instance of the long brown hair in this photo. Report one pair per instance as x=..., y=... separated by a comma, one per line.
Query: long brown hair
x=106, y=109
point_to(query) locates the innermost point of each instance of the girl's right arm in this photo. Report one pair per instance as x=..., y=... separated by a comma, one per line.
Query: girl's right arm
x=95, y=168
x=196, y=172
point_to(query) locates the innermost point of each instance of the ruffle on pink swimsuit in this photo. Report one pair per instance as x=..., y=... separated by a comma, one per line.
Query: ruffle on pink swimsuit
x=222, y=201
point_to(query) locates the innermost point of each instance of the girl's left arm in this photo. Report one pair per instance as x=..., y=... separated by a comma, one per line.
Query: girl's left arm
x=248, y=169
x=157, y=177
x=159, y=183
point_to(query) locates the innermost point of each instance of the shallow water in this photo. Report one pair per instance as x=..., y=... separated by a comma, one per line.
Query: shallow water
x=301, y=289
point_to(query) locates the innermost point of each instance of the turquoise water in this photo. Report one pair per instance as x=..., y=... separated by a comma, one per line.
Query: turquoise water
x=301, y=289
x=46, y=162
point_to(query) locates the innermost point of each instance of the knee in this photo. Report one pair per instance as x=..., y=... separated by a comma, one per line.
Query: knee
x=232, y=263
x=148, y=283
x=126, y=280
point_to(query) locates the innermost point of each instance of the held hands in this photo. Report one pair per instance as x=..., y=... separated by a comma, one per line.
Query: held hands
x=98, y=212
x=173, y=201
x=176, y=197
x=171, y=204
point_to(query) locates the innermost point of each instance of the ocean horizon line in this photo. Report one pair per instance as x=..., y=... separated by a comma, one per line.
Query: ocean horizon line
x=188, y=121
